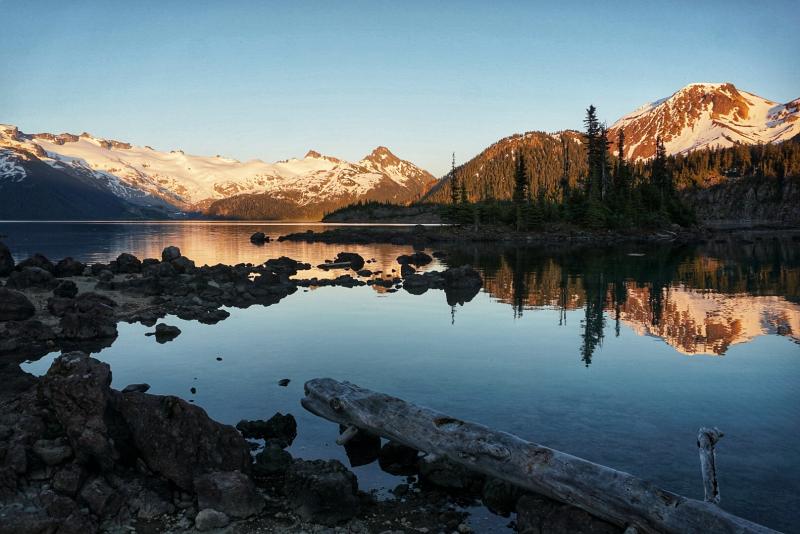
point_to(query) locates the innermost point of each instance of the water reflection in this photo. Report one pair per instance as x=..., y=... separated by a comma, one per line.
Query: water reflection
x=699, y=300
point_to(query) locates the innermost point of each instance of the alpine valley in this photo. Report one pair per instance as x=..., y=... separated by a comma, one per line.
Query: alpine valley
x=67, y=176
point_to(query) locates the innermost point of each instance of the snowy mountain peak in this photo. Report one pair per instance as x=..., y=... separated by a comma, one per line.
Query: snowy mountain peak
x=704, y=115
x=193, y=183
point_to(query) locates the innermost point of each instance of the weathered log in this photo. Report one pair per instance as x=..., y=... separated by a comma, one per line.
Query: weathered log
x=707, y=438
x=615, y=496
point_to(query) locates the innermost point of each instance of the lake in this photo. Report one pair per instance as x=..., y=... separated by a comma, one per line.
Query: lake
x=617, y=355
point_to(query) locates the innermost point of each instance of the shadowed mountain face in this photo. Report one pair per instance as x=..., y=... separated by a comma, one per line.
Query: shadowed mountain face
x=31, y=189
x=177, y=182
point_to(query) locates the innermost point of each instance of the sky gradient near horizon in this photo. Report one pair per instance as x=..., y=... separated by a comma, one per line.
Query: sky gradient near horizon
x=271, y=80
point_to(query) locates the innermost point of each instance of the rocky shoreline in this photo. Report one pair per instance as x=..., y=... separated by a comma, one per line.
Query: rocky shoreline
x=79, y=456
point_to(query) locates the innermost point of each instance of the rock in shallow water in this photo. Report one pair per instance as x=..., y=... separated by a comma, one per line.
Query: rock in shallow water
x=280, y=428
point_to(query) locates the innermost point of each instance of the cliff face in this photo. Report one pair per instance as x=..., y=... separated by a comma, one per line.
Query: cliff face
x=748, y=201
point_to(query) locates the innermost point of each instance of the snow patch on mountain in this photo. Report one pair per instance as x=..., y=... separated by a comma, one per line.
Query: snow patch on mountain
x=706, y=115
x=10, y=169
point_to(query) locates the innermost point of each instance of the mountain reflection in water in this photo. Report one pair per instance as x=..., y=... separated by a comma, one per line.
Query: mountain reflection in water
x=699, y=300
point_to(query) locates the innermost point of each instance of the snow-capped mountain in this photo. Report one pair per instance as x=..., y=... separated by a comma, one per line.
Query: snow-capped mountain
x=179, y=181
x=706, y=115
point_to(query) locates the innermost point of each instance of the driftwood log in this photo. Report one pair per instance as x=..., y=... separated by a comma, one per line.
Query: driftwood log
x=612, y=495
x=707, y=439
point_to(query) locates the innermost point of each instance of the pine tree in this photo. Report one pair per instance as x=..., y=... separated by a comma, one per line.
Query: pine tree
x=455, y=190
x=521, y=191
x=594, y=153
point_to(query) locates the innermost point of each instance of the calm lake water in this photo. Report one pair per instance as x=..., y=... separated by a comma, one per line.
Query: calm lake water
x=617, y=356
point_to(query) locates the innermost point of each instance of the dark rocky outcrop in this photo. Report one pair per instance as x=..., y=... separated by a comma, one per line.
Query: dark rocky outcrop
x=15, y=306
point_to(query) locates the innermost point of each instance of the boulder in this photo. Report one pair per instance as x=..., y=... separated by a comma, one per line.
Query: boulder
x=272, y=460
x=209, y=519
x=126, y=264
x=464, y=277
x=66, y=289
x=500, y=497
x=37, y=260
x=397, y=459
x=279, y=428
x=182, y=264
x=68, y=480
x=178, y=440
x=406, y=270
x=78, y=388
x=445, y=474
x=88, y=316
x=417, y=258
x=6, y=260
x=230, y=492
x=136, y=388
x=15, y=306
x=356, y=261
x=52, y=452
x=322, y=491
x=101, y=498
x=259, y=238
x=69, y=267
x=170, y=253
x=537, y=514
x=165, y=332
x=31, y=277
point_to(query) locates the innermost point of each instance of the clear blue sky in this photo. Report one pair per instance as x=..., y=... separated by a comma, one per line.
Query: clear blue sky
x=274, y=79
